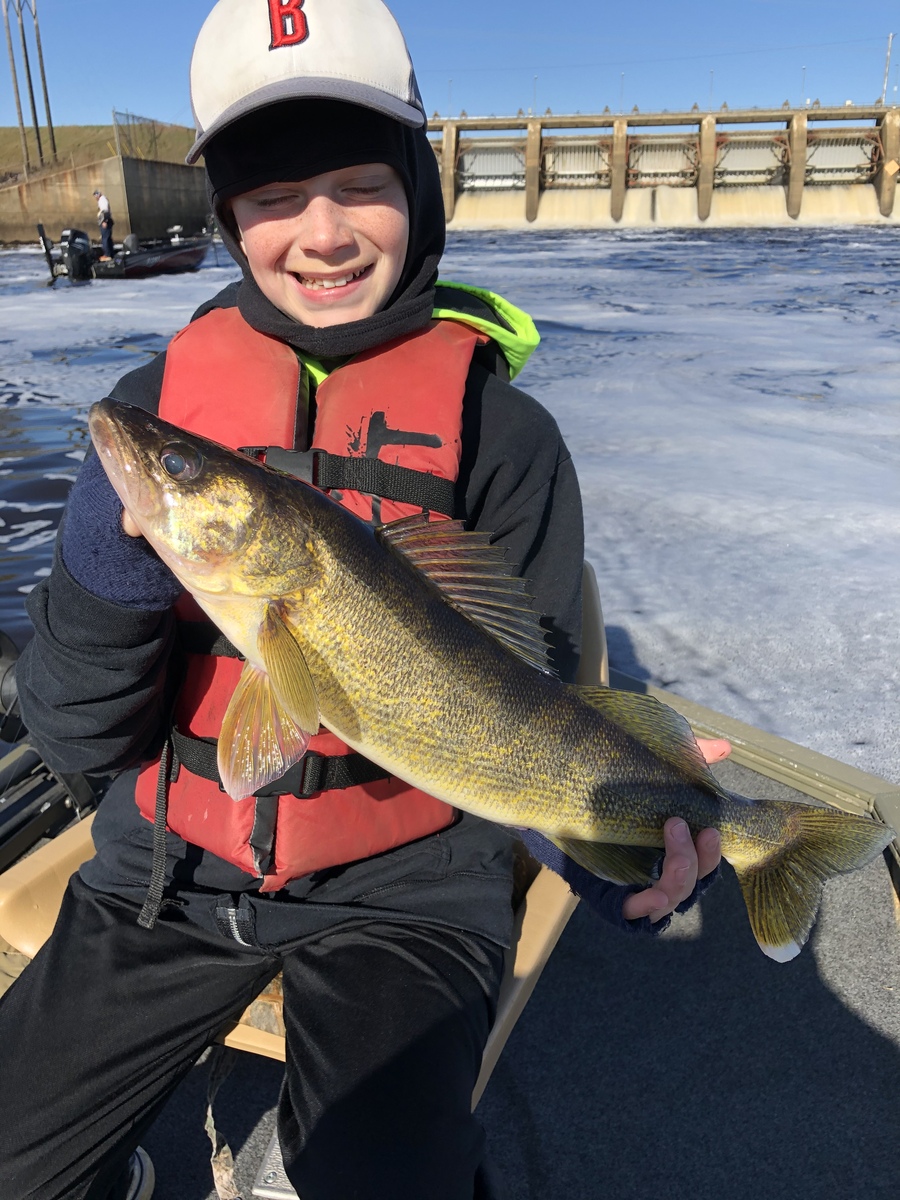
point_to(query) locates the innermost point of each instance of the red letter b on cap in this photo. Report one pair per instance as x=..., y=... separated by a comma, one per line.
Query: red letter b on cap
x=287, y=22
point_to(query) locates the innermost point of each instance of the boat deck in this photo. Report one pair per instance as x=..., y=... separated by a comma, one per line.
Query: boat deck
x=688, y=1066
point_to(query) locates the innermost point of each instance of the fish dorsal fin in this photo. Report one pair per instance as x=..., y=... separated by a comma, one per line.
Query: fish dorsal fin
x=664, y=731
x=473, y=576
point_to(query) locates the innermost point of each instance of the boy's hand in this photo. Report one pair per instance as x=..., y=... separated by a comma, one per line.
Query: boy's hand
x=686, y=859
x=685, y=862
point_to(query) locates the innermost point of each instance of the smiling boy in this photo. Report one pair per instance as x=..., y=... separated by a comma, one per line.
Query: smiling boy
x=387, y=913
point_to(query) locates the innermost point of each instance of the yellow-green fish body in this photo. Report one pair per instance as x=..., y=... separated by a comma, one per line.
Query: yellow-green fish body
x=420, y=651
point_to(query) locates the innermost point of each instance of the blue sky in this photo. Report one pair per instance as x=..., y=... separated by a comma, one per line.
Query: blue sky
x=496, y=56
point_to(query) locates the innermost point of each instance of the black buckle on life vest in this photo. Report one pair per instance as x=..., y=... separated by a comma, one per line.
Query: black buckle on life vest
x=324, y=773
x=302, y=464
x=302, y=780
x=371, y=476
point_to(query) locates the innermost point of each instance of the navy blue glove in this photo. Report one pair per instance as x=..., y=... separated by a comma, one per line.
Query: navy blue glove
x=605, y=898
x=101, y=556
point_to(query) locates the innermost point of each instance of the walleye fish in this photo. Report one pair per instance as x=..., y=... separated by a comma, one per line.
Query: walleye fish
x=417, y=646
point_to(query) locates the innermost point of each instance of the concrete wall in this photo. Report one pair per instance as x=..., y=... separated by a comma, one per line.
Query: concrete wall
x=63, y=200
x=145, y=197
x=671, y=207
x=163, y=194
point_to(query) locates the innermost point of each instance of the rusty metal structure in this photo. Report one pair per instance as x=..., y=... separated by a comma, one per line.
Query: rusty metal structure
x=792, y=149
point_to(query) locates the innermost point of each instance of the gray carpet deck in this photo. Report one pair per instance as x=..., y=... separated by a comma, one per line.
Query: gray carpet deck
x=689, y=1067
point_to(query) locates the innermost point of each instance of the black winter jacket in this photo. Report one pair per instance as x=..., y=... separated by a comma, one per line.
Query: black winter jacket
x=93, y=680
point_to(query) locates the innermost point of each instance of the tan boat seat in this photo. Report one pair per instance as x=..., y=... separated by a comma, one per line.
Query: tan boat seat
x=31, y=892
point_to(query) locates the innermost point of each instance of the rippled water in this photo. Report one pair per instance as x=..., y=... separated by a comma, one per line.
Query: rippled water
x=61, y=349
x=731, y=401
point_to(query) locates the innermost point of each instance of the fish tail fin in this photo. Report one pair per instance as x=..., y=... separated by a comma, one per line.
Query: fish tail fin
x=782, y=890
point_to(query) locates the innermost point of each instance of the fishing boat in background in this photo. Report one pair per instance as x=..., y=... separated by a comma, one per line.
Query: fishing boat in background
x=79, y=260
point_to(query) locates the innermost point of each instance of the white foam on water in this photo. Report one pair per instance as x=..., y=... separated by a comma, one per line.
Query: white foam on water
x=732, y=403
x=730, y=398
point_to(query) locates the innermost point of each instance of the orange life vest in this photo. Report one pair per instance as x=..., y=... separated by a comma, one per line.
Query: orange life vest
x=400, y=404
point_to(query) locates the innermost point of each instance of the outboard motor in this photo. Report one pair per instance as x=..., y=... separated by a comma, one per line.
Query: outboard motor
x=77, y=254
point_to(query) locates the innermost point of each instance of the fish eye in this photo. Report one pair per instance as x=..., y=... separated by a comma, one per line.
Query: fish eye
x=180, y=462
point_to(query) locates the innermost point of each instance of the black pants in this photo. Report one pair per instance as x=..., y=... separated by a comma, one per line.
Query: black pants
x=386, y=1023
x=106, y=239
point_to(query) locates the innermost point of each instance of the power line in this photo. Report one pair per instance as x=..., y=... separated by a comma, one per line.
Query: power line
x=640, y=62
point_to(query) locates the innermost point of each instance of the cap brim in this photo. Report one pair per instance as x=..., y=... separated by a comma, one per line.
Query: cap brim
x=350, y=91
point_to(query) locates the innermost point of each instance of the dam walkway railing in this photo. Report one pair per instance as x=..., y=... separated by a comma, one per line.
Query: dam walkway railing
x=529, y=167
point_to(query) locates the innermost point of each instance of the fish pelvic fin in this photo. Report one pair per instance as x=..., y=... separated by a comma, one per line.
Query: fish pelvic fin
x=783, y=891
x=618, y=864
x=271, y=715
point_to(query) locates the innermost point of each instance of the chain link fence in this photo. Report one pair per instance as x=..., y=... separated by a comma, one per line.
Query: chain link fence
x=145, y=137
x=130, y=135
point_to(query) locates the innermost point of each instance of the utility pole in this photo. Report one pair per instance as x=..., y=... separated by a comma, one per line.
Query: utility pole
x=887, y=67
x=26, y=162
x=34, y=117
x=37, y=38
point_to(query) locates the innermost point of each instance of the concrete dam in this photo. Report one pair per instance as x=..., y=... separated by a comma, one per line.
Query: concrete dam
x=750, y=167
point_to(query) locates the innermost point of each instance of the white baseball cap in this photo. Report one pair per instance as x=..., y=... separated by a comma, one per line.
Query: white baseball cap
x=252, y=53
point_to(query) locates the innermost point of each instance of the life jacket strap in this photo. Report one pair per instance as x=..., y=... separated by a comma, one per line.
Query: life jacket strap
x=153, y=901
x=314, y=773
x=326, y=471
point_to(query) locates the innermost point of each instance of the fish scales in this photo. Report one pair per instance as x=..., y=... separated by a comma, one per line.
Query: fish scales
x=409, y=681
x=339, y=625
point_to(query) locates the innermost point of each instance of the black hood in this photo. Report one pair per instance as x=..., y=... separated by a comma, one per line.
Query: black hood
x=297, y=139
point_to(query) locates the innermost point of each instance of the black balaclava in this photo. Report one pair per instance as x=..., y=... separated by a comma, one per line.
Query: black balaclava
x=297, y=139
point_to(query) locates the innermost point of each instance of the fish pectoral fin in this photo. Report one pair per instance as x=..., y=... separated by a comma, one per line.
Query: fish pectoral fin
x=259, y=740
x=288, y=669
x=618, y=864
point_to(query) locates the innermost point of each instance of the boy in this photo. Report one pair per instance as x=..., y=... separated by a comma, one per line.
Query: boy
x=386, y=911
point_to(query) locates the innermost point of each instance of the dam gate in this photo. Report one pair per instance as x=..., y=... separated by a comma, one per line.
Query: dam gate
x=747, y=167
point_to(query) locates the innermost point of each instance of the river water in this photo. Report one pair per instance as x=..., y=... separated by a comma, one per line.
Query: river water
x=732, y=402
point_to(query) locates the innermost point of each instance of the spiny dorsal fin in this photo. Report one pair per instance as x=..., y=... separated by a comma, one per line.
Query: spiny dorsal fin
x=473, y=576
x=664, y=731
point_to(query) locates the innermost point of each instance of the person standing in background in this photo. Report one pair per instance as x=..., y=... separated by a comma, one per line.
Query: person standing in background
x=105, y=221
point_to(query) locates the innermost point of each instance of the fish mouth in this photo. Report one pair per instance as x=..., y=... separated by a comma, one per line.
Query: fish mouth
x=103, y=427
x=119, y=452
